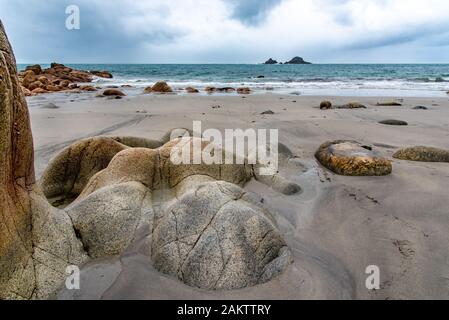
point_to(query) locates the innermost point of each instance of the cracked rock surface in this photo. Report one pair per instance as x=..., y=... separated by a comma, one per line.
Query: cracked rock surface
x=217, y=237
x=206, y=231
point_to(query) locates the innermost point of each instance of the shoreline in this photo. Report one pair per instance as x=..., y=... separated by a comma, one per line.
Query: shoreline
x=396, y=80
x=65, y=97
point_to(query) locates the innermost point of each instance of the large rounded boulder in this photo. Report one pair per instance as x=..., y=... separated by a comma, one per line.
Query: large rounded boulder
x=217, y=237
x=351, y=158
x=159, y=87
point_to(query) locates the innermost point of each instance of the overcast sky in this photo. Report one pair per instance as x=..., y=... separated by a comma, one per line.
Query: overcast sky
x=230, y=31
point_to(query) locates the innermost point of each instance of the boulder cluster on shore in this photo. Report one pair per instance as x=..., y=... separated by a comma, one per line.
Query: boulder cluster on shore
x=35, y=80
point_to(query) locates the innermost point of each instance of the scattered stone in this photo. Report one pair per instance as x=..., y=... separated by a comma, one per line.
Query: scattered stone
x=244, y=90
x=50, y=106
x=350, y=158
x=159, y=87
x=268, y=112
x=102, y=74
x=352, y=105
x=192, y=90
x=423, y=154
x=420, y=108
x=392, y=122
x=389, y=104
x=210, y=89
x=225, y=89
x=325, y=105
x=88, y=88
x=113, y=92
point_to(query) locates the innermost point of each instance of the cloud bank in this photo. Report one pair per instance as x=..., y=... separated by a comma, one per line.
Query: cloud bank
x=230, y=31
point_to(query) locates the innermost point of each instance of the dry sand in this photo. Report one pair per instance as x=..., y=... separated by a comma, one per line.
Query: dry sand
x=336, y=228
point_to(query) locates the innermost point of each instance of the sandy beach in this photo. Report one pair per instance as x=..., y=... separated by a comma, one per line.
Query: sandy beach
x=196, y=154
x=336, y=227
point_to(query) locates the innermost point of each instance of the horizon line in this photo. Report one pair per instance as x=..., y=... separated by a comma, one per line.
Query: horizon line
x=235, y=63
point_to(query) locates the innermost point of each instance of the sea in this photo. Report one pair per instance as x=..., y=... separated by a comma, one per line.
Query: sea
x=404, y=80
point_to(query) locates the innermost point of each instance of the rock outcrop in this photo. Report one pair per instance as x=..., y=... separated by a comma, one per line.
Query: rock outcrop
x=297, y=60
x=17, y=278
x=423, y=154
x=351, y=158
x=37, y=242
x=271, y=61
x=58, y=77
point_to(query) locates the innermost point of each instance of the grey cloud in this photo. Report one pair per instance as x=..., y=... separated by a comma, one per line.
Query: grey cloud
x=417, y=34
x=37, y=31
x=252, y=12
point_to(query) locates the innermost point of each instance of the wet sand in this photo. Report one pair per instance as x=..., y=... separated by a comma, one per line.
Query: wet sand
x=335, y=228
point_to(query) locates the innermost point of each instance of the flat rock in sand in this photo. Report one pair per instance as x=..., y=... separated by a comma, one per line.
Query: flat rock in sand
x=392, y=122
x=423, y=154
